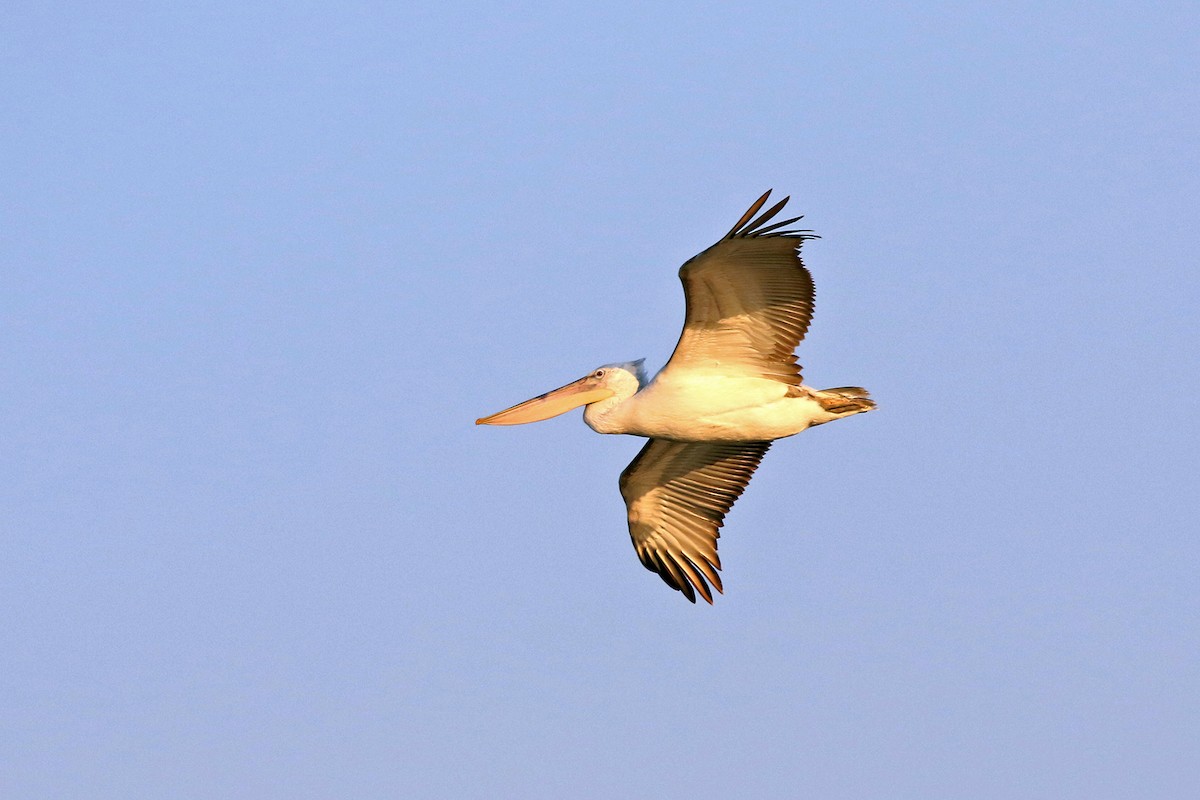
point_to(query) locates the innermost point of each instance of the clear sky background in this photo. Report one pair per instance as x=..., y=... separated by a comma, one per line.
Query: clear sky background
x=261, y=267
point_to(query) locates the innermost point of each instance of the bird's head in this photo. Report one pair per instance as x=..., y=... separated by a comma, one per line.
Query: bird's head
x=621, y=380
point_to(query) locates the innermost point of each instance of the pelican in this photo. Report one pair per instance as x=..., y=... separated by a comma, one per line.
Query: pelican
x=731, y=387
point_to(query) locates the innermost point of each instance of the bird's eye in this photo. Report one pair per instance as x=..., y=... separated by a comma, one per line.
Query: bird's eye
x=598, y=373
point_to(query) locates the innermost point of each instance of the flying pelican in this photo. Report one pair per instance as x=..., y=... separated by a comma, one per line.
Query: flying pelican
x=730, y=389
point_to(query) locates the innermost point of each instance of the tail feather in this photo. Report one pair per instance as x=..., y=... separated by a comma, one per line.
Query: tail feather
x=845, y=400
x=857, y=392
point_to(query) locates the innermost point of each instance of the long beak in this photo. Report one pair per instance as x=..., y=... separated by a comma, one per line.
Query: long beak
x=551, y=404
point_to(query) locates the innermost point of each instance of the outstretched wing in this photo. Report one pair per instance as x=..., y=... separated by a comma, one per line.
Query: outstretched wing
x=749, y=301
x=677, y=495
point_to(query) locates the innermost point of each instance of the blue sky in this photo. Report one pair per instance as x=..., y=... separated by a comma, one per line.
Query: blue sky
x=262, y=267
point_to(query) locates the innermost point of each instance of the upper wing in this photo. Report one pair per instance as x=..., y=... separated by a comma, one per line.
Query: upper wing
x=749, y=301
x=677, y=494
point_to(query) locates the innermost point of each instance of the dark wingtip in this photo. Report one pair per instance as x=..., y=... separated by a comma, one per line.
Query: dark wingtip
x=760, y=228
x=749, y=214
x=765, y=217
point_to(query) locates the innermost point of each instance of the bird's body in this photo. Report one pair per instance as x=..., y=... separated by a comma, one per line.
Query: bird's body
x=709, y=407
x=731, y=387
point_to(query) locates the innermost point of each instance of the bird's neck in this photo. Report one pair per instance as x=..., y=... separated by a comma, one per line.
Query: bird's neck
x=611, y=415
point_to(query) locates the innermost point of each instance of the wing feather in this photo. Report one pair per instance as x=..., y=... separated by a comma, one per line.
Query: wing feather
x=677, y=495
x=749, y=301
x=750, y=213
